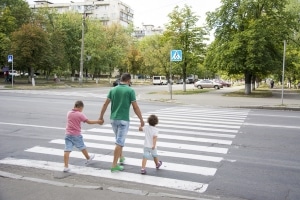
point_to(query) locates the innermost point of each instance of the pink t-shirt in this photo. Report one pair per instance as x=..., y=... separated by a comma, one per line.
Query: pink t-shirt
x=74, y=119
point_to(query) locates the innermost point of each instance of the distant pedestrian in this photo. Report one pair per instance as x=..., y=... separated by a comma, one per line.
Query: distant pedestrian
x=121, y=98
x=272, y=83
x=73, y=133
x=6, y=76
x=150, y=148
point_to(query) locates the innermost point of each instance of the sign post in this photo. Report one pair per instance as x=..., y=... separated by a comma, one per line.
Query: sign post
x=10, y=59
x=175, y=56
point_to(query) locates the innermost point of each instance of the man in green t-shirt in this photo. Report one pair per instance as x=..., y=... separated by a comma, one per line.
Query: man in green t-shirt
x=121, y=98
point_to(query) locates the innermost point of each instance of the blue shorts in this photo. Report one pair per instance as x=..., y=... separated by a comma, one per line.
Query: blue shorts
x=74, y=140
x=149, y=152
x=120, y=128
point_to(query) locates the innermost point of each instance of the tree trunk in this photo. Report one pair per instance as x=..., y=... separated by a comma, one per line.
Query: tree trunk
x=253, y=82
x=248, y=76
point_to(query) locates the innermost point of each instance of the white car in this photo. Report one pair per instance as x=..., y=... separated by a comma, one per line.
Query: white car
x=207, y=84
x=13, y=73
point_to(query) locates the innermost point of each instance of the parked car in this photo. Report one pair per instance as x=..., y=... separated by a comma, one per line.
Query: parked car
x=190, y=80
x=207, y=84
x=179, y=81
x=13, y=73
x=117, y=82
x=159, y=80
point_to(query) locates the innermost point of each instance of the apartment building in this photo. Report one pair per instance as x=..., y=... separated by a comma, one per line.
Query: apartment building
x=147, y=30
x=107, y=11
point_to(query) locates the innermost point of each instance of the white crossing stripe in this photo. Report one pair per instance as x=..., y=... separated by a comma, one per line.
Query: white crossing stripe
x=198, y=123
x=205, y=171
x=184, y=132
x=200, y=127
x=162, y=144
x=179, y=118
x=122, y=176
x=166, y=136
x=140, y=150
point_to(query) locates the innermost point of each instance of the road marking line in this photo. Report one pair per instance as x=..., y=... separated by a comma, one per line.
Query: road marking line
x=233, y=120
x=196, y=123
x=166, y=136
x=271, y=125
x=35, y=126
x=162, y=130
x=161, y=144
x=196, y=128
x=140, y=150
x=122, y=176
x=205, y=171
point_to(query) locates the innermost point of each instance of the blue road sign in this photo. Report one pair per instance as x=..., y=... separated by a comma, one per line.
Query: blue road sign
x=176, y=55
x=10, y=58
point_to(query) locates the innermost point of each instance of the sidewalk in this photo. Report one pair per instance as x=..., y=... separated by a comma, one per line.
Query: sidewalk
x=218, y=98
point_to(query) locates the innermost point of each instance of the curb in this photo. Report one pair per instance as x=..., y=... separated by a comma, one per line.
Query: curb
x=112, y=189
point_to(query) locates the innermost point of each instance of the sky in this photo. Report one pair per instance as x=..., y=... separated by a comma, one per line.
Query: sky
x=155, y=12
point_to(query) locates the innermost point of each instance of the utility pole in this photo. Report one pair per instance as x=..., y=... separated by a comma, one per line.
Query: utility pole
x=82, y=49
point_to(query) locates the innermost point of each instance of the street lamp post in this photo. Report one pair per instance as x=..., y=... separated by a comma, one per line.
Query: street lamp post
x=82, y=49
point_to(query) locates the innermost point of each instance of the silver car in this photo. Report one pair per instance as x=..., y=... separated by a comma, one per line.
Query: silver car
x=207, y=84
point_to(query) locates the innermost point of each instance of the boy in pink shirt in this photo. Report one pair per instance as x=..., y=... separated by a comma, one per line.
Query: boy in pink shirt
x=73, y=133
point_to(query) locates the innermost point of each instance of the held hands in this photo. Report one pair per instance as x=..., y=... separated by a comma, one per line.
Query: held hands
x=100, y=121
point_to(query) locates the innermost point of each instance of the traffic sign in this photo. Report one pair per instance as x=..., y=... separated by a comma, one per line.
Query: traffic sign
x=10, y=58
x=176, y=55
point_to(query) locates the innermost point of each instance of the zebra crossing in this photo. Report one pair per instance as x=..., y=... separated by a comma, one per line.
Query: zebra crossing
x=192, y=143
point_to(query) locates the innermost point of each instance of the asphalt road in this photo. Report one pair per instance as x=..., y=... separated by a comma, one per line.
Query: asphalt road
x=259, y=160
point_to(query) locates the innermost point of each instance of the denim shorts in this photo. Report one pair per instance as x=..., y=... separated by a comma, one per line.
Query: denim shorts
x=149, y=152
x=74, y=140
x=120, y=128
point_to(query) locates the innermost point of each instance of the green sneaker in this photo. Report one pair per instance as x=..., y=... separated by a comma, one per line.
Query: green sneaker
x=121, y=161
x=117, y=168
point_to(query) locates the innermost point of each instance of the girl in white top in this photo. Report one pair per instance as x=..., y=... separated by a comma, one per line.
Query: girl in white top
x=150, y=149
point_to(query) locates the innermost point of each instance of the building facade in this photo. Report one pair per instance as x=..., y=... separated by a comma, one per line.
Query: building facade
x=107, y=11
x=146, y=30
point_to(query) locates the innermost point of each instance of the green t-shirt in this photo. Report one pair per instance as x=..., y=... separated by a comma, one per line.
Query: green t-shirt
x=121, y=97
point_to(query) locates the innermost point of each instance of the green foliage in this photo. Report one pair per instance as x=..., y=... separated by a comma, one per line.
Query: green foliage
x=249, y=37
x=184, y=34
x=30, y=45
x=156, y=54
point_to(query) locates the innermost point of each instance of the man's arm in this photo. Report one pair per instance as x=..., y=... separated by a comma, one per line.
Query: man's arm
x=137, y=111
x=104, y=107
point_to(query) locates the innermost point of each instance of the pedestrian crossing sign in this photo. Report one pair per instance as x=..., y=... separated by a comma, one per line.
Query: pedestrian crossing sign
x=10, y=58
x=176, y=55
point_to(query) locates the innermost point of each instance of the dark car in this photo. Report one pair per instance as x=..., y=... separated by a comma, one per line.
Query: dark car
x=224, y=83
x=117, y=82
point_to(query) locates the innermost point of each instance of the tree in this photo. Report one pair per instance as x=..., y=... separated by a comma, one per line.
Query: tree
x=248, y=37
x=117, y=39
x=70, y=27
x=155, y=51
x=184, y=34
x=94, y=47
x=31, y=44
x=13, y=14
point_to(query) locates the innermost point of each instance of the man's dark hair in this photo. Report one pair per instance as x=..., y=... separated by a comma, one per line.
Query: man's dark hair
x=125, y=77
x=152, y=120
x=78, y=104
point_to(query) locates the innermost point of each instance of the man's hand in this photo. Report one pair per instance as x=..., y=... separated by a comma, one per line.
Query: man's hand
x=100, y=121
